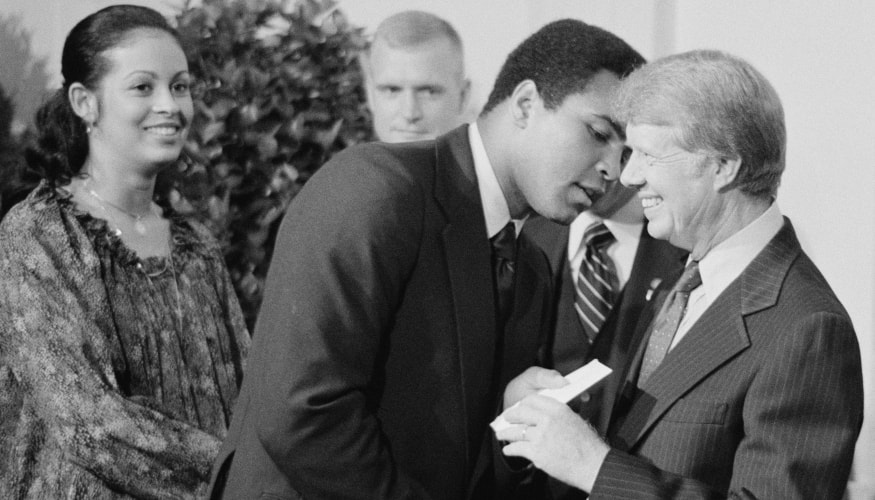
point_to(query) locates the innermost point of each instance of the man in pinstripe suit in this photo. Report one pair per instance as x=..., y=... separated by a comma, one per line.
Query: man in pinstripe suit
x=760, y=392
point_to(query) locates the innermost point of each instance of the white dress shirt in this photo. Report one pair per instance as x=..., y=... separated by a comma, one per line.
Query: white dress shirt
x=495, y=208
x=725, y=262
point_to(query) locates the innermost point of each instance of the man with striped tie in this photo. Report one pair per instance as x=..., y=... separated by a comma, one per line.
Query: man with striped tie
x=745, y=380
x=605, y=269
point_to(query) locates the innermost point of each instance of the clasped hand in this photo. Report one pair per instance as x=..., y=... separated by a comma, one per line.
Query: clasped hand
x=548, y=433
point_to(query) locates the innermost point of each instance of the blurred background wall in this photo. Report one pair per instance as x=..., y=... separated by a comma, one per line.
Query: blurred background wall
x=819, y=55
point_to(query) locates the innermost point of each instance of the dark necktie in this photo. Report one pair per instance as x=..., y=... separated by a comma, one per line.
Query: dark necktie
x=665, y=325
x=503, y=258
x=597, y=286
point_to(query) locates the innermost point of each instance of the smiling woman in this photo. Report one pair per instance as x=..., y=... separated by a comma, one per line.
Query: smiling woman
x=122, y=340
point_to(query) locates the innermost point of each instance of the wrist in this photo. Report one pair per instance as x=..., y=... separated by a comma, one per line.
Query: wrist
x=588, y=471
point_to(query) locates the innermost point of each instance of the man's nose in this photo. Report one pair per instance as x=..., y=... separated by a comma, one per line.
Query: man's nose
x=631, y=175
x=610, y=165
x=411, y=109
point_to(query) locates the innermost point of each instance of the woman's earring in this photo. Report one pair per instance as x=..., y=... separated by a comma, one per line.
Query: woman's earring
x=89, y=123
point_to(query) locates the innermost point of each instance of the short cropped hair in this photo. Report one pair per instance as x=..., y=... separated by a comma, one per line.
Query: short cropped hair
x=414, y=27
x=561, y=58
x=721, y=106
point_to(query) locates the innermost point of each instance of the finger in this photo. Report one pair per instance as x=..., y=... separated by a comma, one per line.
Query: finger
x=513, y=433
x=542, y=378
x=544, y=405
x=530, y=411
x=519, y=416
x=550, y=379
x=518, y=449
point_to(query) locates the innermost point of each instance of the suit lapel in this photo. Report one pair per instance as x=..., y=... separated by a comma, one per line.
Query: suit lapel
x=633, y=317
x=529, y=321
x=719, y=335
x=467, y=252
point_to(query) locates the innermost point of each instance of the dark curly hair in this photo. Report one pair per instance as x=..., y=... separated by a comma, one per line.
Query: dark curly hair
x=62, y=142
x=561, y=58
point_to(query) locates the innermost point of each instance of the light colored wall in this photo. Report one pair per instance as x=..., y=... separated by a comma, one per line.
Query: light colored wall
x=819, y=55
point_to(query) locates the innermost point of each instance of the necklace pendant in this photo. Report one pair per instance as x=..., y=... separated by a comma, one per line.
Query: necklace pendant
x=140, y=228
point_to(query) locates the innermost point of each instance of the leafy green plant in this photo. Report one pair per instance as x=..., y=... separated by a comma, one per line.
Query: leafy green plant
x=15, y=180
x=7, y=110
x=280, y=92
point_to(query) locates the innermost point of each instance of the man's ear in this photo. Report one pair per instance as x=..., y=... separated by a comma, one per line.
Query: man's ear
x=466, y=95
x=522, y=102
x=83, y=102
x=727, y=171
x=364, y=59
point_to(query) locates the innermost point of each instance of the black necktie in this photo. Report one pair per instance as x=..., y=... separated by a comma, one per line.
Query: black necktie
x=503, y=258
x=597, y=284
x=665, y=325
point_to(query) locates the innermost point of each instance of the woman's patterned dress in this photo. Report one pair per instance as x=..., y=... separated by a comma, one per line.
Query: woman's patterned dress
x=117, y=374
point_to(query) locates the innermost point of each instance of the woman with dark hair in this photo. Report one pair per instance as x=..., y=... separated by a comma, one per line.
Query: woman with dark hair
x=121, y=339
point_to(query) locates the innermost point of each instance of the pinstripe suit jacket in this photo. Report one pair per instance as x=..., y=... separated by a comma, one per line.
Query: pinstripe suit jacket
x=762, y=398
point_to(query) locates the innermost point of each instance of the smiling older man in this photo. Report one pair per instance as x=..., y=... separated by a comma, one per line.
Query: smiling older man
x=747, y=383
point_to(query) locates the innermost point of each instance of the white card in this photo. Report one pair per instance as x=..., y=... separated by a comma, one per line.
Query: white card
x=578, y=381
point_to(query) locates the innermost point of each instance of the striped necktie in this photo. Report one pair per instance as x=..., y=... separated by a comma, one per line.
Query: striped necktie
x=597, y=286
x=666, y=323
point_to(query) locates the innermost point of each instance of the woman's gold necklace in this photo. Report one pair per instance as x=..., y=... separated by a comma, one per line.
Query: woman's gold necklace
x=139, y=223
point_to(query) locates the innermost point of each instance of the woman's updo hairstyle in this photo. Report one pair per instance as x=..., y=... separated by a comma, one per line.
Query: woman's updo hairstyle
x=62, y=139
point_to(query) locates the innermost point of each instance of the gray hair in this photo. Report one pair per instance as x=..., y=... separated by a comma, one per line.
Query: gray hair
x=721, y=106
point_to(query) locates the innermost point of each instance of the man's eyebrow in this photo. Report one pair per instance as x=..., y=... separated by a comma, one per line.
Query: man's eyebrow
x=619, y=129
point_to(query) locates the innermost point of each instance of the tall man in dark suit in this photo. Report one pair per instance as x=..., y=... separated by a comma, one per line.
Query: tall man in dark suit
x=387, y=332
x=747, y=382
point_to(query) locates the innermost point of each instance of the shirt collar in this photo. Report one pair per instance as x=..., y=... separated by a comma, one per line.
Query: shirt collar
x=495, y=208
x=726, y=261
x=624, y=233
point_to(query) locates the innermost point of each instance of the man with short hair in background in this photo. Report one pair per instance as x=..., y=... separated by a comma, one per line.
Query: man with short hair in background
x=415, y=77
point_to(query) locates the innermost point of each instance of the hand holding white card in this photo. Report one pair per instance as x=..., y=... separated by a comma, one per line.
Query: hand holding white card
x=578, y=381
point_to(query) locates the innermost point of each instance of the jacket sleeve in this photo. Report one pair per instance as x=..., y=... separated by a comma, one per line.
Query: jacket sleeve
x=801, y=419
x=345, y=249
x=55, y=335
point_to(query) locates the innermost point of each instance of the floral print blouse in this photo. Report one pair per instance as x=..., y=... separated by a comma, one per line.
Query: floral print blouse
x=117, y=374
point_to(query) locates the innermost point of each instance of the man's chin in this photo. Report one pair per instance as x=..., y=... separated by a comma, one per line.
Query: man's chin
x=409, y=136
x=564, y=216
x=657, y=230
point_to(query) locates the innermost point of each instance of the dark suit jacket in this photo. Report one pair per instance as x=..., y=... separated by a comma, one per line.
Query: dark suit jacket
x=372, y=370
x=762, y=398
x=655, y=261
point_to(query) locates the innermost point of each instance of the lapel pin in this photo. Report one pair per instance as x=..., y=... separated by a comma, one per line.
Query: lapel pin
x=654, y=284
